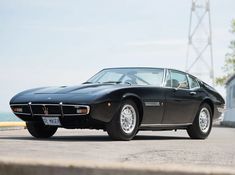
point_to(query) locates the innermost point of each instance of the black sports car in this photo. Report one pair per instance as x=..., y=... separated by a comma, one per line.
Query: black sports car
x=122, y=101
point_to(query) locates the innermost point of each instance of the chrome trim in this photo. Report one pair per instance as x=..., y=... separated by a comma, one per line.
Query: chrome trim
x=19, y=113
x=76, y=105
x=164, y=77
x=204, y=120
x=221, y=109
x=189, y=85
x=68, y=115
x=61, y=108
x=19, y=105
x=36, y=104
x=128, y=119
x=48, y=115
x=152, y=103
x=54, y=115
x=30, y=104
x=159, y=125
x=30, y=108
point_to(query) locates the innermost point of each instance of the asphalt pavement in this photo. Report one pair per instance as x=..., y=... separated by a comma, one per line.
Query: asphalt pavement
x=148, y=147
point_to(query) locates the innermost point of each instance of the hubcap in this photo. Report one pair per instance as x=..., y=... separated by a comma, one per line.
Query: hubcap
x=128, y=119
x=204, y=120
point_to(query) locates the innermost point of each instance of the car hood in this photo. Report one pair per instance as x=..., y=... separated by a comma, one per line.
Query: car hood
x=81, y=89
x=83, y=93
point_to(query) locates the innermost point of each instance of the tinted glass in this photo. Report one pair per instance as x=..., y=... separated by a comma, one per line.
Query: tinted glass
x=138, y=76
x=152, y=78
x=111, y=76
x=177, y=79
x=193, y=82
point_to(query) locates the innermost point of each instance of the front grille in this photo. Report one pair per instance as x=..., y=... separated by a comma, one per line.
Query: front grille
x=69, y=110
x=46, y=109
x=51, y=109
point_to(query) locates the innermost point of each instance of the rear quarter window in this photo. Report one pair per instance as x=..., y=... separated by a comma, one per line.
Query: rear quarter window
x=193, y=83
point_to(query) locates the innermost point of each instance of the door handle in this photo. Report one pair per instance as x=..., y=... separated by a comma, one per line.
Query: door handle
x=193, y=93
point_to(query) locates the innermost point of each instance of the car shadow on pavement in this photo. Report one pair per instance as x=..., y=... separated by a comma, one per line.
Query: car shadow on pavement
x=92, y=138
x=148, y=137
x=62, y=138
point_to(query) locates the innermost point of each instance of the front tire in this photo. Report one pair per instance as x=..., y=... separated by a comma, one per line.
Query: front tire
x=39, y=130
x=125, y=122
x=201, y=127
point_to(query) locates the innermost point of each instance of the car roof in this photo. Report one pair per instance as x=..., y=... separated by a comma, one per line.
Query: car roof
x=134, y=68
x=150, y=68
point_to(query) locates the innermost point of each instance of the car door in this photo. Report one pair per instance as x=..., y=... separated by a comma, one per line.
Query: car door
x=153, y=105
x=153, y=95
x=180, y=102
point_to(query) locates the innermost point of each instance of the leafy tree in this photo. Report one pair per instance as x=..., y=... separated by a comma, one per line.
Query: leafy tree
x=229, y=66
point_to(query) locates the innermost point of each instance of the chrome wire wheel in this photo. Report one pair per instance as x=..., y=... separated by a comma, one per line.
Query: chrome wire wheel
x=124, y=123
x=128, y=119
x=204, y=120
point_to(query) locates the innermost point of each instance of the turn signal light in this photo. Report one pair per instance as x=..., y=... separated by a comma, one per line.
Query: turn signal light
x=17, y=109
x=83, y=110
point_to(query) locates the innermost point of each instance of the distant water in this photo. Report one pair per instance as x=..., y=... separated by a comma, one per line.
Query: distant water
x=8, y=117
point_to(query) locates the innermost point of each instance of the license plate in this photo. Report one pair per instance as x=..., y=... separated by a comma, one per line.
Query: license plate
x=52, y=121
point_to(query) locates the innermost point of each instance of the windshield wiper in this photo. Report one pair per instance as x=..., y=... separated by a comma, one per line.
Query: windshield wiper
x=105, y=82
x=88, y=82
x=112, y=82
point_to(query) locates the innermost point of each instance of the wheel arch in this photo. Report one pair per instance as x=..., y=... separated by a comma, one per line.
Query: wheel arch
x=210, y=103
x=137, y=101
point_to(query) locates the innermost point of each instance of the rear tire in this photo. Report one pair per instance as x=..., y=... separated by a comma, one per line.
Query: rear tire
x=39, y=130
x=125, y=122
x=201, y=127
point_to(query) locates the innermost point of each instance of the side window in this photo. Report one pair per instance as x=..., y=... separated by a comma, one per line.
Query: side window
x=193, y=83
x=153, y=78
x=177, y=79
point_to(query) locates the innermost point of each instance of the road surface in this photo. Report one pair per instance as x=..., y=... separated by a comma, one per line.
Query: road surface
x=150, y=148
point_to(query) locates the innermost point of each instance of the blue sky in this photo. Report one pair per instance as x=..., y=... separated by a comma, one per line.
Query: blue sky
x=58, y=42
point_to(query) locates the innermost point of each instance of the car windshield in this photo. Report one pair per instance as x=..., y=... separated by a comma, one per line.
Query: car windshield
x=137, y=76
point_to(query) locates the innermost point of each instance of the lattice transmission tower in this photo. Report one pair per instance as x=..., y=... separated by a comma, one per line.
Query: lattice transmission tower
x=199, y=53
